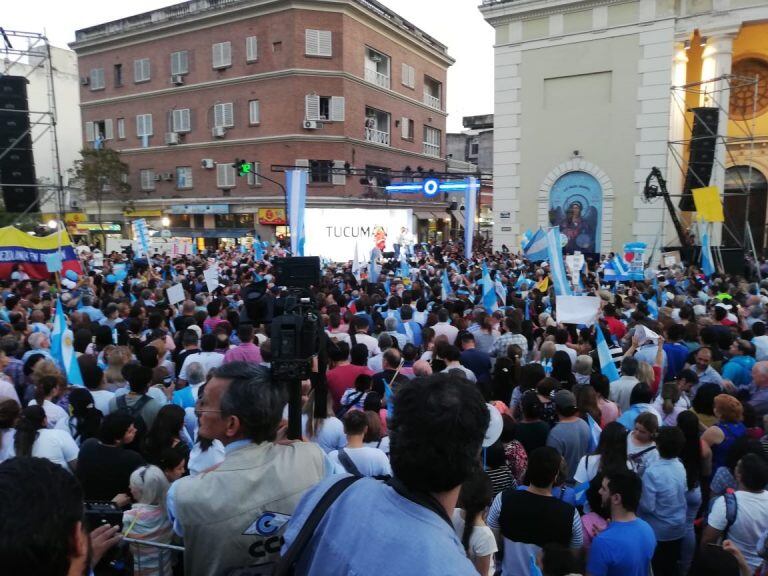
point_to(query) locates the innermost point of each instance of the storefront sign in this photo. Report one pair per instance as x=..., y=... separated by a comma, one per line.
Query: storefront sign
x=504, y=215
x=143, y=213
x=272, y=216
x=85, y=227
x=200, y=209
x=332, y=233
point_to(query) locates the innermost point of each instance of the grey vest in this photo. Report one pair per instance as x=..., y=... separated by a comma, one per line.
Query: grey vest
x=235, y=515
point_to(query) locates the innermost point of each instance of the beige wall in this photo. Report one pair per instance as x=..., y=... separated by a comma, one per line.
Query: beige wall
x=580, y=97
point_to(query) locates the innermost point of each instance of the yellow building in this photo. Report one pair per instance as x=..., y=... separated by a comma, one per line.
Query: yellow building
x=592, y=94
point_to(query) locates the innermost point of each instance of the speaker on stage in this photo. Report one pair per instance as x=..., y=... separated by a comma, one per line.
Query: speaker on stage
x=701, y=153
x=17, y=166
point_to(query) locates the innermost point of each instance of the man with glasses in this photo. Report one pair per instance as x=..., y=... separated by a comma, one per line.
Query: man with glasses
x=233, y=516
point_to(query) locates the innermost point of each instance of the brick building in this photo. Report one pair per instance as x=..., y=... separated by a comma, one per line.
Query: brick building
x=183, y=91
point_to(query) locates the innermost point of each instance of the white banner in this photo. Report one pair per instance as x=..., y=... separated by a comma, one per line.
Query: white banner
x=333, y=232
x=577, y=309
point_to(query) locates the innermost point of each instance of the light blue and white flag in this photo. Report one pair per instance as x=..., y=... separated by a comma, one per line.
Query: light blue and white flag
x=522, y=282
x=373, y=270
x=296, y=190
x=490, y=303
x=594, y=433
x=501, y=290
x=446, y=288
x=707, y=262
x=525, y=237
x=62, y=348
x=556, y=266
x=141, y=236
x=356, y=265
x=258, y=250
x=607, y=367
x=405, y=268
x=470, y=209
x=536, y=248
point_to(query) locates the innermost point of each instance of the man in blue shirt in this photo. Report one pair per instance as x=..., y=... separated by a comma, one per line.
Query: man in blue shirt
x=436, y=432
x=626, y=547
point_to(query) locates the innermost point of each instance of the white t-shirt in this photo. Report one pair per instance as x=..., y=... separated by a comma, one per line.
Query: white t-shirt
x=54, y=445
x=101, y=400
x=370, y=342
x=382, y=445
x=369, y=461
x=208, y=360
x=57, y=416
x=330, y=435
x=751, y=523
x=153, y=392
x=482, y=542
x=200, y=461
x=640, y=464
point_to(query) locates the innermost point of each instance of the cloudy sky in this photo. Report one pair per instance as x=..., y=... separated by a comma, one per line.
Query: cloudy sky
x=461, y=28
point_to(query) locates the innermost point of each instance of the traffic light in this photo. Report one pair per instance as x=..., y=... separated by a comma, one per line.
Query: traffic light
x=244, y=168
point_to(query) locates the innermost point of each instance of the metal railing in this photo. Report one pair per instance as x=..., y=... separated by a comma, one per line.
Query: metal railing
x=377, y=78
x=153, y=558
x=377, y=136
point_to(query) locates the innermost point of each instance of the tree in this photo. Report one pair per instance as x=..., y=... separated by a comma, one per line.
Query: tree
x=102, y=175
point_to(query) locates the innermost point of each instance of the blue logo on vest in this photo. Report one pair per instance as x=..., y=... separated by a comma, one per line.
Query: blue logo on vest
x=267, y=524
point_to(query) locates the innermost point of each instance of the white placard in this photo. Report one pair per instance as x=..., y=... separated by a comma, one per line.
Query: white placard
x=211, y=276
x=175, y=294
x=577, y=309
x=332, y=232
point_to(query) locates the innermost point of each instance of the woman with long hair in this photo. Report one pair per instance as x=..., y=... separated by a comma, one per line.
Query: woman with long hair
x=33, y=438
x=49, y=385
x=666, y=404
x=326, y=432
x=375, y=435
x=697, y=459
x=562, y=370
x=609, y=456
x=726, y=431
x=84, y=418
x=165, y=433
x=545, y=390
x=506, y=374
x=9, y=416
x=586, y=403
x=479, y=543
x=486, y=336
x=609, y=411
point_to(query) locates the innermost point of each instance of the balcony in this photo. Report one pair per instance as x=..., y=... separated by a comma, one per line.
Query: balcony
x=432, y=150
x=378, y=136
x=377, y=78
x=432, y=101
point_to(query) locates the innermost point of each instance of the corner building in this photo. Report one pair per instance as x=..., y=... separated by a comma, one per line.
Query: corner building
x=183, y=91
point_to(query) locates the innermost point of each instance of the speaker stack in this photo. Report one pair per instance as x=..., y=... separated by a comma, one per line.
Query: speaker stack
x=17, y=166
x=702, y=153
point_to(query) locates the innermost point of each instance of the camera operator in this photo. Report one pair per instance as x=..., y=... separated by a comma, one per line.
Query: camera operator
x=233, y=516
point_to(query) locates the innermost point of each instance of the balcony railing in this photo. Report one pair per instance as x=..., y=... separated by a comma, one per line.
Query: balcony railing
x=432, y=101
x=377, y=78
x=431, y=149
x=377, y=136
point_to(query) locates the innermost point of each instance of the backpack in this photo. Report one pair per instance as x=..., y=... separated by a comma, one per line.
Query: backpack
x=348, y=464
x=636, y=459
x=353, y=399
x=731, y=510
x=134, y=411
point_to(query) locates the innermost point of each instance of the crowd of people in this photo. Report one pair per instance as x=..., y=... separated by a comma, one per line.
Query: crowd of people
x=453, y=437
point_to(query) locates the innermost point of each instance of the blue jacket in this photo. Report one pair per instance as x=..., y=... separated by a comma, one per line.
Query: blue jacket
x=739, y=370
x=662, y=503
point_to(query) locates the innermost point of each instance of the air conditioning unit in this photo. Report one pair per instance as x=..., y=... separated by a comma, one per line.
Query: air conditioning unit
x=310, y=125
x=158, y=177
x=208, y=163
x=167, y=176
x=172, y=138
x=177, y=79
x=74, y=203
x=84, y=80
x=219, y=131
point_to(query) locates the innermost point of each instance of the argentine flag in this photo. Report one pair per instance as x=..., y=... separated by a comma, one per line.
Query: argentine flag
x=373, y=273
x=62, y=348
x=707, y=262
x=536, y=248
x=556, y=266
x=594, y=433
x=405, y=269
x=490, y=303
x=446, y=287
x=607, y=367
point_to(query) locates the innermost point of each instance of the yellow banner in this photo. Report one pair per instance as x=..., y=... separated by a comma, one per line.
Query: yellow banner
x=143, y=213
x=709, y=205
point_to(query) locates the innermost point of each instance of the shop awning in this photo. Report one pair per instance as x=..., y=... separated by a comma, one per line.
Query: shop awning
x=424, y=215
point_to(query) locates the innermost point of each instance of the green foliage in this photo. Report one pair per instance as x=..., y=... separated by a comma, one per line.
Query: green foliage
x=102, y=174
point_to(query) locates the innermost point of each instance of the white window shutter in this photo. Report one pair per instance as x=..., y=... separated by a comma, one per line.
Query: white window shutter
x=90, y=134
x=218, y=115
x=312, y=107
x=311, y=42
x=148, y=124
x=338, y=179
x=229, y=114
x=404, y=131
x=227, y=53
x=139, y=125
x=254, y=113
x=136, y=70
x=324, y=43
x=251, y=49
x=302, y=164
x=337, y=108
x=108, y=131
x=121, y=128
x=404, y=74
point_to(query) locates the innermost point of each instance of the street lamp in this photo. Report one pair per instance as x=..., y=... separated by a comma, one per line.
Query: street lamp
x=52, y=224
x=165, y=221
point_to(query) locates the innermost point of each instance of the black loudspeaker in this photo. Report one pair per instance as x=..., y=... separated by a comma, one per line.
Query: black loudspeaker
x=701, y=154
x=17, y=166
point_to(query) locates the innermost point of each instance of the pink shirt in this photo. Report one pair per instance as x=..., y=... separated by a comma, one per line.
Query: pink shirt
x=592, y=523
x=247, y=352
x=609, y=411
